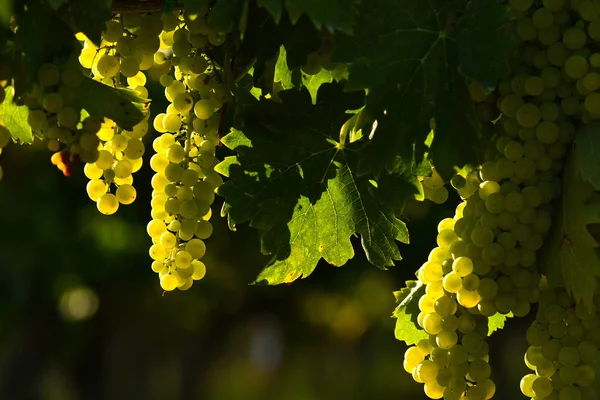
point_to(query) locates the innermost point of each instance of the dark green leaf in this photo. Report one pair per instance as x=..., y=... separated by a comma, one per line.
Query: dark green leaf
x=408, y=54
x=120, y=105
x=90, y=16
x=275, y=7
x=291, y=181
x=483, y=44
x=225, y=15
x=406, y=313
x=34, y=18
x=14, y=118
x=299, y=40
x=331, y=14
x=587, y=142
x=570, y=253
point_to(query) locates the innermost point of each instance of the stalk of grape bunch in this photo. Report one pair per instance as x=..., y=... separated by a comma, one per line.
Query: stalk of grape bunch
x=185, y=181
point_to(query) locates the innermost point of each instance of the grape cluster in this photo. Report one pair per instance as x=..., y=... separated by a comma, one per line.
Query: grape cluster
x=185, y=181
x=486, y=262
x=555, y=91
x=53, y=114
x=127, y=49
x=563, y=348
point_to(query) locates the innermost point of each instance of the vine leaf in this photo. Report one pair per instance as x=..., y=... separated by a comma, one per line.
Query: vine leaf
x=123, y=106
x=410, y=56
x=496, y=322
x=406, y=313
x=331, y=14
x=225, y=14
x=295, y=78
x=89, y=17
x=292, y=181
x=14, y=118
x=587, y=142
x=275, y=8
x=33, y=17
x=571, y=255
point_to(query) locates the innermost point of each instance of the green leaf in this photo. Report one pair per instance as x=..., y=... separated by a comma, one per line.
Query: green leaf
x=294, y=183
x=275, y=8
x=283, y=74
x=484, y=47
x=33, y=17
x=571, y=251
x=314, y=82
x=331, y=14
x=289, y=79
x=225, y=14
x=496, y=322
x=90, y=16
x=195, y=6
x=406, y=313
x=587, y=143
x=409, y=55
x=121, y=105
x=14, y=118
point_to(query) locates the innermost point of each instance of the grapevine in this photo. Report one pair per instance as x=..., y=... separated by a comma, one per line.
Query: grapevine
x=318, y=123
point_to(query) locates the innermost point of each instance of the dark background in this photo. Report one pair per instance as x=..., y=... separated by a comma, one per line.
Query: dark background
x=329, y=336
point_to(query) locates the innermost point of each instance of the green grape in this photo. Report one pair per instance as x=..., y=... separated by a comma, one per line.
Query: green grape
x=204, y=109
x=568, y=356
x=558, y=54
x=468, y=298
x=126, y=194
x=129, y=67
x=49, y=75
x=528, y=115
x=542, y=18
x=122, y=169
x=108, y=66
x=183, y=102
x=432, y=323
x=574, y=38
x=452, y=282
x=487, y=188
x=462, y=266
x=445, y=238
x=542, y=387
x=534, y=85
x=53, y=102
x=592, y=103
x=107, y=204
x=570, y=393
x=481, y=236
x=511, y=104
x=537, y=334
x=521, y=5
x=172, y=123
x=446, y=339
x=576, y=66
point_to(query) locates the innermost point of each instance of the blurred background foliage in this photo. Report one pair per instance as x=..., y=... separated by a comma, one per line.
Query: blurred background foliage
x=82, y=316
